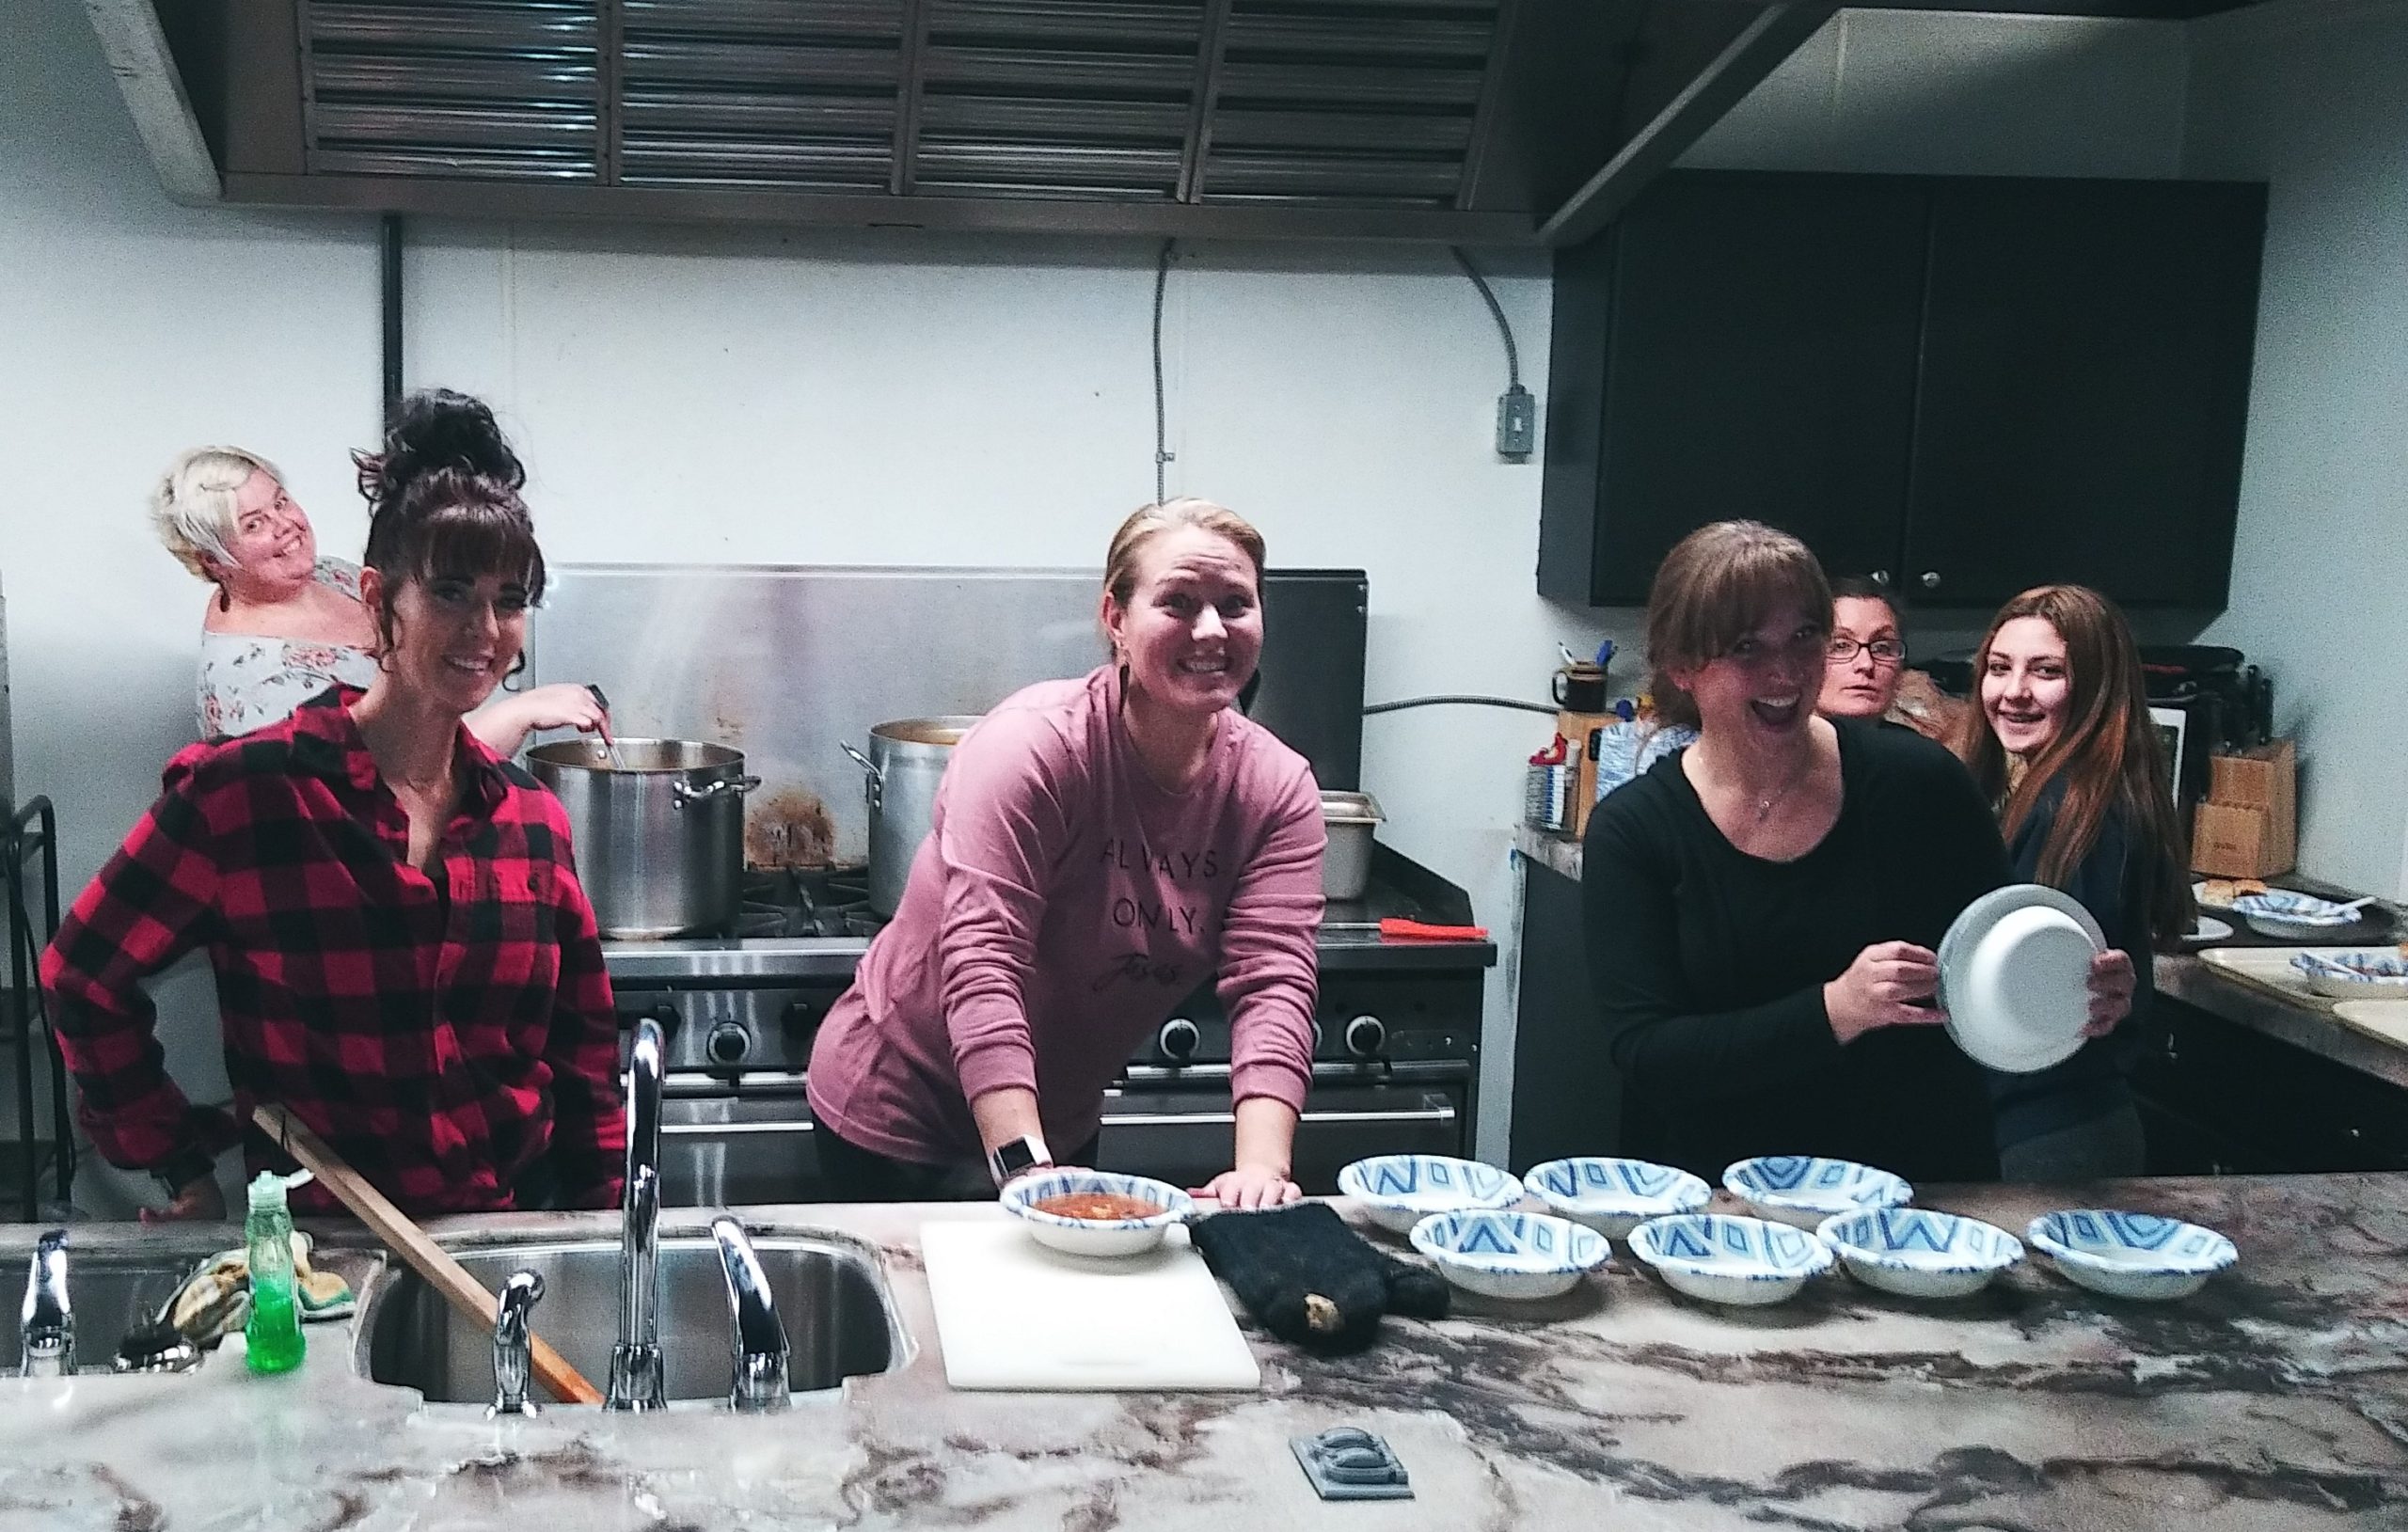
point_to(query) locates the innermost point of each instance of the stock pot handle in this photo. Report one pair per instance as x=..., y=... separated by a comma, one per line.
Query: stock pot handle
x=680, y=794
x=873, y=778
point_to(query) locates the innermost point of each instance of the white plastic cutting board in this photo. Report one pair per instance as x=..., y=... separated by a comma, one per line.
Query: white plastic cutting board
x=1012, y=1314
x=2384, y=1019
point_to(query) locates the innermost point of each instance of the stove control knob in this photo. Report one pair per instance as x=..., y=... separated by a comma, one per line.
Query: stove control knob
x=798, y=1015
x=728, y=1043
x=1365, y=1035
x=1178, y=1039
x=668, y=1016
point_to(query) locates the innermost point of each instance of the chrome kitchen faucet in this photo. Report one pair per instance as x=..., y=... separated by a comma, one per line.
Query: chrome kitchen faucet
x=635, y=1362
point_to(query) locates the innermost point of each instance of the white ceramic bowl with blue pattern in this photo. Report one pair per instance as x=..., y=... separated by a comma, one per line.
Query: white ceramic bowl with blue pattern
x=1509, y=1254
x=1090, y=1236
x=1400, y=1190
x=2131, y=1254
x=1803, y=1190
x=2355, y=975
x=1614, y=1196
x=1919, y=1253
x=2289, y=916
x=1725, y=1259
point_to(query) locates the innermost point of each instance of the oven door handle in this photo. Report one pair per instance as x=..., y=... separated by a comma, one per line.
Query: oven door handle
x=1440, y=1114
x=732, y=1129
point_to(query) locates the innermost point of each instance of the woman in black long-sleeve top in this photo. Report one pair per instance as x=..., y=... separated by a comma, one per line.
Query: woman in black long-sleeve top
x=1762, y=907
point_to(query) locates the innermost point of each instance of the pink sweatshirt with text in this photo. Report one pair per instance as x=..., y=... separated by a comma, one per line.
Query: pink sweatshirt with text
x=1061, y=906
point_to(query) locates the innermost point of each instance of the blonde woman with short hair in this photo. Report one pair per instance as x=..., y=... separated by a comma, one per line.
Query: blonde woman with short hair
x=285, y=624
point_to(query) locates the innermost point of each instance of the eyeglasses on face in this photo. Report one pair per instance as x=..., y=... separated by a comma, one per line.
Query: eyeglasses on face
x=1884, y=650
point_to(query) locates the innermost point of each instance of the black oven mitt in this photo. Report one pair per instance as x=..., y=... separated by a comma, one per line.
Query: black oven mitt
x=1310, y=1280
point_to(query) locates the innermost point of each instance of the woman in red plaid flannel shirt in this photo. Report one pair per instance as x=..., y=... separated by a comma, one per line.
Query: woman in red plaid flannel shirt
x=405, y=957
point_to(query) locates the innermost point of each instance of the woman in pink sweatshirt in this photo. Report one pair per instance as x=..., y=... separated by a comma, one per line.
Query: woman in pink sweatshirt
x=1099, y=846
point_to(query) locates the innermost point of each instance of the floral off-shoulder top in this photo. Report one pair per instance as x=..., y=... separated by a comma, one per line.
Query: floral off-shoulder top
x=249, y=680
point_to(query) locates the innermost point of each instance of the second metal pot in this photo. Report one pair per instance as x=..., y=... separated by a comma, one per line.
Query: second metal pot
x=907, y=759
x=658, y=831
x=1346, y=864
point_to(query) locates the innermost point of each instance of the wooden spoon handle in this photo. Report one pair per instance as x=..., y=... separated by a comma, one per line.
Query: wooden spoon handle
x=407, y=1240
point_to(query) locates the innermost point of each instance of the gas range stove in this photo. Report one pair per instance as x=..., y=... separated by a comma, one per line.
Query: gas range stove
x=1395, y=1051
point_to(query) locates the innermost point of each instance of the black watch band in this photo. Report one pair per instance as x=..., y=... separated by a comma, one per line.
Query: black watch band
x=1017, y=1156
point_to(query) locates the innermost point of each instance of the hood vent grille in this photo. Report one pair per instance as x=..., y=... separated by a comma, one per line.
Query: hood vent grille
x=507, y=89
x=1362, y=103
x=1339, y=103
x=760, y=93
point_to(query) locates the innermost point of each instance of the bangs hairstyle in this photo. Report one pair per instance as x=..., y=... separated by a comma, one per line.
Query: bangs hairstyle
x=192, y=506
x=2107, y=753
x=1148, y=522
x=443, y=500
x=1716, y=586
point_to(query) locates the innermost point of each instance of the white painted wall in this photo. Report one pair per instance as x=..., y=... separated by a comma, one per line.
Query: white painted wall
x=2308, y=95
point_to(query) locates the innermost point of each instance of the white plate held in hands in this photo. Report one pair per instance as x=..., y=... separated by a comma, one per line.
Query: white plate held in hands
x=2015, y=977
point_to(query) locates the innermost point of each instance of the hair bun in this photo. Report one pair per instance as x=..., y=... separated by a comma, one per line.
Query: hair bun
x=432, y=430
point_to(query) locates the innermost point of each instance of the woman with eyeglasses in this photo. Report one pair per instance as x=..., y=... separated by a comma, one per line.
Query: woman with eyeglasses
x=1866, y=656
x=1762, y=909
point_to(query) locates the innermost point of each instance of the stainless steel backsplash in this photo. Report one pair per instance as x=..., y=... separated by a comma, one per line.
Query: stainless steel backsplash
x=782, y=662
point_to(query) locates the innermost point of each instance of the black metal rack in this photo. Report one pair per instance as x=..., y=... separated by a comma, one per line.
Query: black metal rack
x=32, y=833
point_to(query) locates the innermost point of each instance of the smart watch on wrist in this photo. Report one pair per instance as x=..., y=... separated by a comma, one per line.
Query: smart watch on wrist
x=1018, y=1156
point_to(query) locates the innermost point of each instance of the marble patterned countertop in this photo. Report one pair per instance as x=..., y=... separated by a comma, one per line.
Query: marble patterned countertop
x=2274, y=1399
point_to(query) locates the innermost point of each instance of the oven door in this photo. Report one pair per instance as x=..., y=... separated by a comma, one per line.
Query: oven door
x=726, y=1145
x=1185, y=1136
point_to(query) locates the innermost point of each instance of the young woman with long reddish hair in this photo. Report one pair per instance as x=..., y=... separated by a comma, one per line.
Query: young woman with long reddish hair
x=2062, y=744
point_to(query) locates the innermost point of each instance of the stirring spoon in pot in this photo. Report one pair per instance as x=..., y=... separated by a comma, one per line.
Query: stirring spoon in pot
x=609, y=746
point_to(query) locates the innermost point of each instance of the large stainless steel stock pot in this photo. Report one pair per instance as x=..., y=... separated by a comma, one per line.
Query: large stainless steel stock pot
x=659, y=826
x=907, y=759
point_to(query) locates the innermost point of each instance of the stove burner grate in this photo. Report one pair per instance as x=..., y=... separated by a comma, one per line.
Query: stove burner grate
x=806, y=902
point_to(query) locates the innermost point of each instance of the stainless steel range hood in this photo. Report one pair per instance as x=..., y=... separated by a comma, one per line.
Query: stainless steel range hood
x=1458, y=121
x=1449, y=121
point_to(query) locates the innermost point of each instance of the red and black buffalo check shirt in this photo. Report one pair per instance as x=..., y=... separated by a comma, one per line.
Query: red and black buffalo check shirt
x=439, y=1030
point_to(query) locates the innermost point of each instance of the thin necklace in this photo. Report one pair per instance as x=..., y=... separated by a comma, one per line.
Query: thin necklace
x=1765, y=804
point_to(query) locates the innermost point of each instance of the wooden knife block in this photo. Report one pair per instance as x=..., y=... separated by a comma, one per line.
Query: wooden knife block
x=2248, y=826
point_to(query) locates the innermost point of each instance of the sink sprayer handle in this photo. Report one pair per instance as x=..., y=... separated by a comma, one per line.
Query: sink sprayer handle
x=757, y=1338
x=514, y=1320
x=46, y=1321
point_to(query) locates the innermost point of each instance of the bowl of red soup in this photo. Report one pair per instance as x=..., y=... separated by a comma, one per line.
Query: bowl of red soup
x=1097, y=1212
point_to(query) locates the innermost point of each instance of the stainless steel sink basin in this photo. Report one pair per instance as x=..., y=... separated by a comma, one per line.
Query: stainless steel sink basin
x=838, y=1315
x=110, y=1297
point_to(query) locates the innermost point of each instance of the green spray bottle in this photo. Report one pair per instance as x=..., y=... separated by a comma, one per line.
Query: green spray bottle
x=272, y=1336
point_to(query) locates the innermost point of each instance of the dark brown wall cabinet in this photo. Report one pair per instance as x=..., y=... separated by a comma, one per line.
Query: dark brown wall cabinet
x=1968, y=386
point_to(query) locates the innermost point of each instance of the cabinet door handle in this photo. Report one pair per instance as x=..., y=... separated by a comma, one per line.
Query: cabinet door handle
x=1931, y=579
x=1881, y=577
